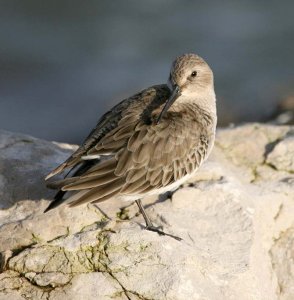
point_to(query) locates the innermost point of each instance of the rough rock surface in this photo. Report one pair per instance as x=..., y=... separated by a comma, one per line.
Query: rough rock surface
x=236, y=219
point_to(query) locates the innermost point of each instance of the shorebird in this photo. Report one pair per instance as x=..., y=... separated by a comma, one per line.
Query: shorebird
x=149, y=143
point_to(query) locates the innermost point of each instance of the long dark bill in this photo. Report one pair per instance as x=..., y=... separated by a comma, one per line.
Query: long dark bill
x=176, y=93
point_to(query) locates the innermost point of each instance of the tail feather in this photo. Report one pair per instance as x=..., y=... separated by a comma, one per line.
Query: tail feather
x=59, y=169
x=69, y=163
x=59, y=197
x=58, y=184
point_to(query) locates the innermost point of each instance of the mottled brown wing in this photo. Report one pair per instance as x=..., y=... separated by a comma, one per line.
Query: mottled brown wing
x=146, y=99
x=146, y=156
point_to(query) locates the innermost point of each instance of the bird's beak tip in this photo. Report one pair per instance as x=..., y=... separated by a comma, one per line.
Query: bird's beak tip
x=175, y=93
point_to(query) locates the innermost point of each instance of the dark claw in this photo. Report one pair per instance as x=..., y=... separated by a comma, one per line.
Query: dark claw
x=160, y=232
x=155, y=229
x=150, y=226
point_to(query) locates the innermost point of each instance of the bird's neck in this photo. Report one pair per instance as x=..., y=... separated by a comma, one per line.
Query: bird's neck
x=206, y=101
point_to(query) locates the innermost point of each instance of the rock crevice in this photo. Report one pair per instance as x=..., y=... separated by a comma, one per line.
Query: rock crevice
x=235, y=218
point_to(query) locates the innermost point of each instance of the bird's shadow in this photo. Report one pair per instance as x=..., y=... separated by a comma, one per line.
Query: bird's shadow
x=24, y=163
x=22, y=185
x=161, y=198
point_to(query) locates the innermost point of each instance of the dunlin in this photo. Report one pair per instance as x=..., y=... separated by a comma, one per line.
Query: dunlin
x=147, y=144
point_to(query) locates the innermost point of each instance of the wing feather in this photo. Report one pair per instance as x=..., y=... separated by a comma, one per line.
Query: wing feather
x=97, y=193
x=134, y=174
x=90, y=182
x=104, y=167
x=144, y=156
x=124, y=163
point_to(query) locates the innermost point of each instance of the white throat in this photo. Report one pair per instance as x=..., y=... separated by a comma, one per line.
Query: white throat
x=206, y=100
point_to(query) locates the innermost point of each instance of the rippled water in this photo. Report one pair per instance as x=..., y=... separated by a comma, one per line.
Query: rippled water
x=63, y=63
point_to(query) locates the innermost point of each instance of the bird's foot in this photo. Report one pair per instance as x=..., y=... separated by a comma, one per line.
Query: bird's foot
x=161, y=232
x=155, y=229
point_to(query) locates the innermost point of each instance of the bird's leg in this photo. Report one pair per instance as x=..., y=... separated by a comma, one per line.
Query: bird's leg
x=149, y=225
x=144, y=214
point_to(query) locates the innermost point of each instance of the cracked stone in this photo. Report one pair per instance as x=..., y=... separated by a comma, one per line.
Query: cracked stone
x=52, y=279
x=235, y=218
x=282, y=253
x=282, y=155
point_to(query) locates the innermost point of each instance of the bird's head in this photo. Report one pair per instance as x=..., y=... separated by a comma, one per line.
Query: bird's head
x=190, y=78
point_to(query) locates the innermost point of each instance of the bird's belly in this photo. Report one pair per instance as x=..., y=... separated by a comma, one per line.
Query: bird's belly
x=156, y=191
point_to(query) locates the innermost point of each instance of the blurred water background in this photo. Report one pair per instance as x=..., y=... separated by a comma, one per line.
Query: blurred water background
x=63, y=63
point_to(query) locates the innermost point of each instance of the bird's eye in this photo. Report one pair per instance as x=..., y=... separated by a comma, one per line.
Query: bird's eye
x=194, y=74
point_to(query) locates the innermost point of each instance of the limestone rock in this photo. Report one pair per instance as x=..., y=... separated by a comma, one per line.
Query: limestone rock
x=235, y=218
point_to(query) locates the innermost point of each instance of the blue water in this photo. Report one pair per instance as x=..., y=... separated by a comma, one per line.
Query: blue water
x=63, y=63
